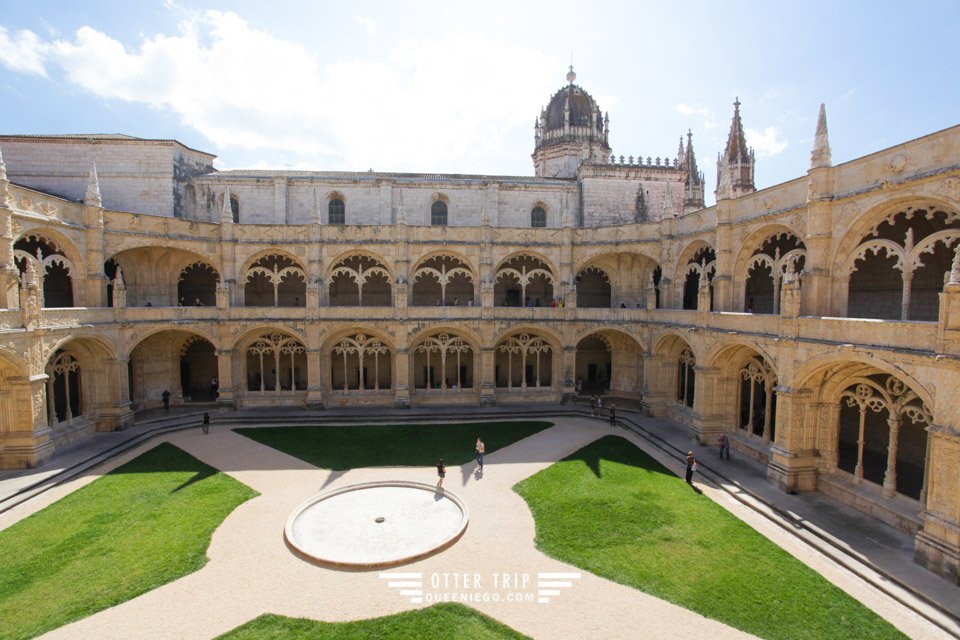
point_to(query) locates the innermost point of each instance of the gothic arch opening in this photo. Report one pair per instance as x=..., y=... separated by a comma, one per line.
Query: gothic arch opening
x=361, y=362
x=444, y=280
x=593, y=288
x=704, y=260
x=181, y=363
x=197, y=285
x=765, y=270
x=54, y=271
x=899, y=267
x=360, y=281
x=523, y=281
x=275, y=363
x=275, y=280
x=882, y=435
x=523, y=361
x=443, y=361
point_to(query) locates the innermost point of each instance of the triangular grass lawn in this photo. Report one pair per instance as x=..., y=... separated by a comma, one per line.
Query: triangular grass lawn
x=375, y=445
x=140, y=526
x=613, y=510
x=445, y=621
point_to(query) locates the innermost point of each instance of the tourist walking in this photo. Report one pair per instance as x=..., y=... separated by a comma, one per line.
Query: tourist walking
x=593, y=405
x=599, y=406
x=613, y=414
x=481, y=449
x=206, y=423
x=441, y=472
x=691, y=467
x=166, y=399
x=723, y=443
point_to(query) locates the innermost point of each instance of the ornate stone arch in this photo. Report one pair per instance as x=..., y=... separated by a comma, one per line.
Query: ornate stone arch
x=897, y=268
x=362, y=359
x=433, y=275
x=355, y=275
x=522, y=278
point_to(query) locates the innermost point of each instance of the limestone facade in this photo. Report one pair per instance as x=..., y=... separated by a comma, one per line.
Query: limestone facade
x=816, y=322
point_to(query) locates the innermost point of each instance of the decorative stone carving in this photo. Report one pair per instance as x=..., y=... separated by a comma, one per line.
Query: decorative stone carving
x=950, y=188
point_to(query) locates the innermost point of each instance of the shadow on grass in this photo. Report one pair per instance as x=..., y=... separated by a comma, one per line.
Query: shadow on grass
x=611, y=509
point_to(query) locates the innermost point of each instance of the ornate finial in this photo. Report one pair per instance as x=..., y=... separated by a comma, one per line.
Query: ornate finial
x=703, y=282
x=955, y=267
x=93, y=198
x=571, y=76
x=736, y=103
x=30, y=279
x=118, y=278
x=3, y=168
x=820, y=155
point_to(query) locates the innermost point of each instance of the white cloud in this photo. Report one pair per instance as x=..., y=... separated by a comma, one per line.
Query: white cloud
x=24, y=52
x=369, y=26
x=241, y=87
x=686, y=110
x=766, y=142
x=709, y=119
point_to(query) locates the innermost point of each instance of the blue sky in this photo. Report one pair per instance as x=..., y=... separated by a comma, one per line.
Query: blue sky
x=455, y=87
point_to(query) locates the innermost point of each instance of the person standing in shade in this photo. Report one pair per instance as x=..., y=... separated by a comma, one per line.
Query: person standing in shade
x=441, y=472
x=593, y=405
x=214, y=387
x=613, y=414
x=723, y=443
x=206, y=423
x=691, y=467
x=600, y=406
x=481, y=449
x=166, y=399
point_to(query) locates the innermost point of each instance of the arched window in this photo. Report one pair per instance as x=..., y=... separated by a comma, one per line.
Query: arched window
x=235, y=209
x=336, y=212
x=538, y=217
x=438, y=214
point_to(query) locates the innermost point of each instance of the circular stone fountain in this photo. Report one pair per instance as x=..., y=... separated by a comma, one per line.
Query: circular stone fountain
x=376, y=524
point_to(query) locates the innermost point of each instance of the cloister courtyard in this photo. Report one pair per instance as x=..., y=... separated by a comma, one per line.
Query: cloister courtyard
x=181, y=536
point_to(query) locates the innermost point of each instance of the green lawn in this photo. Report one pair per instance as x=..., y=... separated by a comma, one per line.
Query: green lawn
x=353, y=446
x=446, y=621
x=142, y=525
x=613, y=510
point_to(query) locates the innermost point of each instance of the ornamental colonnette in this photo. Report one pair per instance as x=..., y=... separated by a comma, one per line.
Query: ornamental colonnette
x=816, y=321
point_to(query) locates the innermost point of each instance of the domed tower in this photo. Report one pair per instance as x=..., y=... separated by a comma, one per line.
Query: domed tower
x=569, y=131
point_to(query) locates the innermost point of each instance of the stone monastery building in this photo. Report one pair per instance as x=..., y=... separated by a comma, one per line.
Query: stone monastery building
x=817, y=321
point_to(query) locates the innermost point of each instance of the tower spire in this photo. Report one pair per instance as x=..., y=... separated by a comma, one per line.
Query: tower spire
x=93, y=199
x=735, y=165
x=820, y=155
x=693, y=183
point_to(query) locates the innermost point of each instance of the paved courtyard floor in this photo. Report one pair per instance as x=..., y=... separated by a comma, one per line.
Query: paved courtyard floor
x=251, y=571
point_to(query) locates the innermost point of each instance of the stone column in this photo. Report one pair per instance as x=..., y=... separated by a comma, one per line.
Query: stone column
x=401, y=378
x=315, y=398
x=828, y=421
x=488, y=381
x=793, y=464
x=116, y=411
x=937, y=545
x=25, y=440
x=657, y=373
x=227, y=398
x=568, y=368
x=890, y=476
